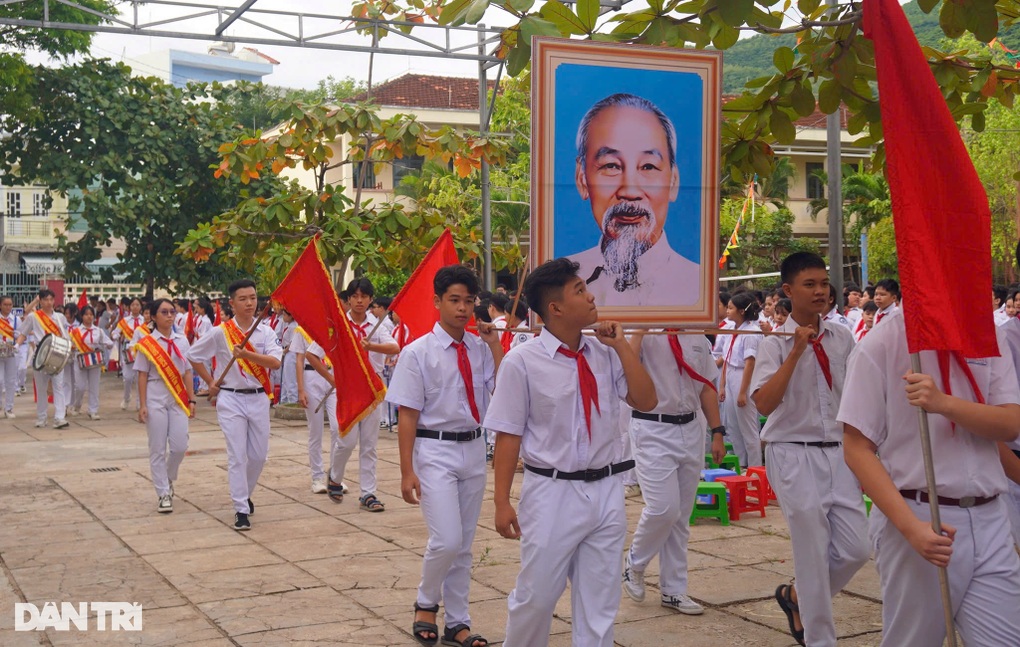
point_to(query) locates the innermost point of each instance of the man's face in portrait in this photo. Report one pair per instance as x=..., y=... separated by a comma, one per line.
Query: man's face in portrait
x=627, y=175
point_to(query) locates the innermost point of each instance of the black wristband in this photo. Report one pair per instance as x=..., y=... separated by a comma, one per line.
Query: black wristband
x=721, y=429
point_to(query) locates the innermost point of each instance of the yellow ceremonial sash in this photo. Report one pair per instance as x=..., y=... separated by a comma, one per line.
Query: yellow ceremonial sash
x=126, y=330
x=48, y=324
x=79, y=341
x=308, y=338
x=161, y=361
x=6, y=329
x=234, y=338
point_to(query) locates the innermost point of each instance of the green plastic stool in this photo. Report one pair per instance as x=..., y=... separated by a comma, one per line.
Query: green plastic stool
x=729, y=447
x=729, y=462
x=717, y=509
x=867, y=505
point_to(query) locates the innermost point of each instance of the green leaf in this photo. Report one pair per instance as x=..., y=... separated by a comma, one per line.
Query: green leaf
x=807, y=6
x=726, y=37
x=735, y=12
x=533, y=26
x=802, y=99
x=520, y=6
x=927, y=5
x=783, y=59
x=453, y=11
x=983, y=20
x=558, y=14
x=588, y=13
x=977, y=122
x=476, y=11
x=829, y=96
x=951, y=19
x=518, y=59
x=782, y=127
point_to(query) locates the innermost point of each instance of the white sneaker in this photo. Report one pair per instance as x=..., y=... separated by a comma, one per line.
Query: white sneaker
x=166, y=504
x=39, y=424
x=61, y=424
x=682, y=603
x=633, y=581
x=123, y=405
x=75, y=411
x=94, y=416
x=10, y=414
x=318, y=486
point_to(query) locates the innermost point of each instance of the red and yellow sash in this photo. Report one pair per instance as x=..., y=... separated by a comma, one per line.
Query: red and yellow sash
x=308, y=338
x=79, y=341
x=6, y=329
x=160, y=360
x=48, y=324
x=126, y=331
x=234, y=338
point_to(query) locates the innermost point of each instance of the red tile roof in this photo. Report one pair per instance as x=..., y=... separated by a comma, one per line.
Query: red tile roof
x=425, y=91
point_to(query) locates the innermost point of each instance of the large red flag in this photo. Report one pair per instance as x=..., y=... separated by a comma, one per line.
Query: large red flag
x=940, y=209
x=414, y=303
x=83, y=300
x=307, y=294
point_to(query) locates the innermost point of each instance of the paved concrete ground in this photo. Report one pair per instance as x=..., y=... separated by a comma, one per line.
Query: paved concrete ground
x=311, y=571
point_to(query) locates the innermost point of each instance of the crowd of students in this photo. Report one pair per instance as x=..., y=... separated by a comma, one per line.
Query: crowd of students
x=577, y=413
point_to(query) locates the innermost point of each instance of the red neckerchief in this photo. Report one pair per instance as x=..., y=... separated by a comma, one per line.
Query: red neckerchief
x=678, y=355
x=943, y=358
x=822, y=357
x=586, y=381
x=464, y=366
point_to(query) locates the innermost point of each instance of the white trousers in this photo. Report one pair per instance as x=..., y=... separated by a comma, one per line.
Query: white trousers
x=130, y=378
x=984, y=580
x=86, y=380
x=570, y=530
x=244, y=419
x=1014, y=510
x=743, y=428
x=9, y=380
x=316, y=388
x=42, y=384
x=629, y=477
x=821, y=500
x=669, y=462
x=167, y=427
x=69, y=387
x=288, y=379
x=23, y=354
x=365, y=435
x=452, y=477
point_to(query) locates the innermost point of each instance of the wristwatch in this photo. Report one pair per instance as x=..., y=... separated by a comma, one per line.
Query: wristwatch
x=721, y=429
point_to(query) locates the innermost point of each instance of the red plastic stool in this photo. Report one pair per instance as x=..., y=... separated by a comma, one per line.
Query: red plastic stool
x=746, y=495
x=759, y=471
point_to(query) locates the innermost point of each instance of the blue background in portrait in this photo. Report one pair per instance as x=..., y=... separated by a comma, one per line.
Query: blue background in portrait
x=680, y=96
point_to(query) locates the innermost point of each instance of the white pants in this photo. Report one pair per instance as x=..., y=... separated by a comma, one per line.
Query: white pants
x=167, y=425
x=570, y=530
x=669, y=462
x=743, y=428
x=22, y=365
x=365, y=434
x=452, y=477
x=9, y=380
x=821, y=500
x=87, y=380
x=629, y=477
x=984, y=580
x=69, y=387
x=42, y=383
x=130, y=377
x=244, y=419
x=316, y=388
x=1014, y=510
x=288, y=380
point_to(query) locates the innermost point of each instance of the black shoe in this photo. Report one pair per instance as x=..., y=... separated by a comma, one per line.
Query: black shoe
x=251, y=508
x=241, y=521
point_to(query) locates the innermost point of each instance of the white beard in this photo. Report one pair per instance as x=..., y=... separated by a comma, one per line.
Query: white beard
x=628, y=242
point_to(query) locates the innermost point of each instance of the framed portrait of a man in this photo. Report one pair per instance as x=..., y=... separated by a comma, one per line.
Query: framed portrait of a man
x=625, y=175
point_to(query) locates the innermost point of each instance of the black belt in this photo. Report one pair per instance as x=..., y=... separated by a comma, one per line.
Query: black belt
x=242, y=391
x=582, y=475
x=682, y=419
x=309, y=367
x=965, y=502
x=456, y=436
x=1016, y=452
x=816, y=443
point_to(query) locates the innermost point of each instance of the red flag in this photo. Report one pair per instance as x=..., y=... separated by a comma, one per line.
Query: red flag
x=414, y=303
x=189, y=324
x=219, y=314
x=940, y=209
x=83, y=300
x=307, y=294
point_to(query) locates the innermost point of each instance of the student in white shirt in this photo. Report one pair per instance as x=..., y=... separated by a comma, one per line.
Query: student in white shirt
x=9, y=365
x=832, y=315
x=442, y=385
x=798, y=382
x=883, y=448
x=123, y=332
x=557, y=405
x=999, y=295
x=853, y=313
x=42, y=321
x=740, y=416
x=887, y=293
x=312, y=388
x=87, y=378
x=668, y=446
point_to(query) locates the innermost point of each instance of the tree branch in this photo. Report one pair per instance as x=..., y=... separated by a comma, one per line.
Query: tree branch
x=852, y=17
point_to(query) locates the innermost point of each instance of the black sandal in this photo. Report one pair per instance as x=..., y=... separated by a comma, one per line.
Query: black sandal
x=789, y=607
x=450, y=637
x=421, y=627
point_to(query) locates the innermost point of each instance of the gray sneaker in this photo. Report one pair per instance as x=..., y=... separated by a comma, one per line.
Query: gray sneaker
x=166, y=504
x=682, y=603
x=61, y=424
x=633, y=581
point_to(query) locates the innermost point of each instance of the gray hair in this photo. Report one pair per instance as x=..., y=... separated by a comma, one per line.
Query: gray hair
x=625, y=100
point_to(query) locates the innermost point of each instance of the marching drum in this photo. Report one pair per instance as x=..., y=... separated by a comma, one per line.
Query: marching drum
x=52, y=354
x=90, y=360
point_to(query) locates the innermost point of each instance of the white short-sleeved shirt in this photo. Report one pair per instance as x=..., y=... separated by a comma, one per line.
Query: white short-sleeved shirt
x=853, y=315
x=538, y=397
x=678, y=394
x=298, y=344
x=202, y=326
x=96, y=337
x=133, y=322
x=722, y=341
x=1000, y=315
x=744, y=346
x=31, y=326
x=807, y=412
x=1011, y=331
x=215, y=345
x=15, y=322
x=876, y=404
x=834, y=317
x=180, y=320
x=427, y=379
x=380, y=336
x=142, y=362
x=518, y=338
x=883, y=313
